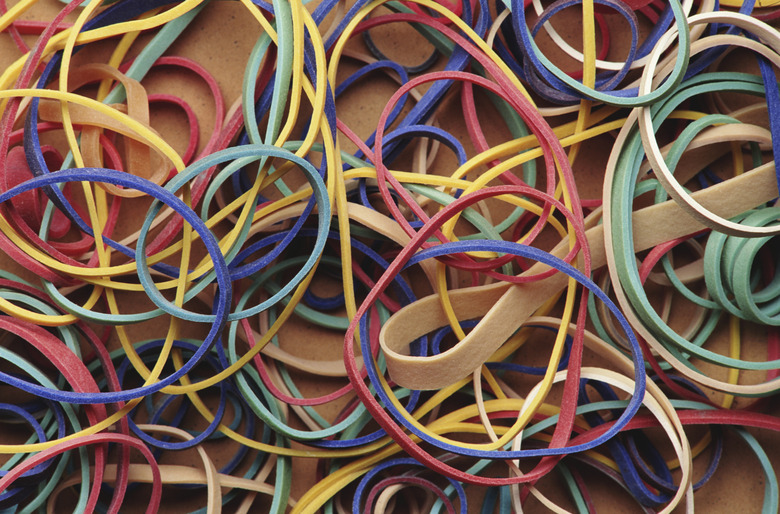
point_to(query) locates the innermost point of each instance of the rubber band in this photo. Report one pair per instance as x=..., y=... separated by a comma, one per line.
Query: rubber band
x=361, y=388
x=411, y=70
x=556, y=78
x=662, y=172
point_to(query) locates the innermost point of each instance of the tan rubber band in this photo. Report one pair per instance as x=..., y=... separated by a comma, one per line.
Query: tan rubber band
x=726, y=199
x=505, y=308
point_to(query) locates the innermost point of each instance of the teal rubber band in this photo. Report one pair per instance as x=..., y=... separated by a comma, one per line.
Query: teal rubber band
x=669, y=85
x=320, y=194
x=281, y=88
x=251, y=124
x=216, y=182
x=304, y=312
x=622, y=236
x=248, y=389
x=728, y=270
x=573, y=488
x=672, y=159
x=643, y=187
x=249, y=152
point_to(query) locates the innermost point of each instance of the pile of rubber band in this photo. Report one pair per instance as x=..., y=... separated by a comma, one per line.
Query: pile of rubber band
x=492, y=328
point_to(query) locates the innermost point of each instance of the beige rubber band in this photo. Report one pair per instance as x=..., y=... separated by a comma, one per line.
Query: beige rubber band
x=138, y=154
x=670, y=425
x=505, y=308
x=726, y=199
x=662, y=172
x=177, y=474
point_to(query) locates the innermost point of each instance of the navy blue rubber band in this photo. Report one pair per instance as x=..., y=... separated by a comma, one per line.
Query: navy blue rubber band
x=545, y=258
x=405, y=463
x=218, y=415
x=221, y=300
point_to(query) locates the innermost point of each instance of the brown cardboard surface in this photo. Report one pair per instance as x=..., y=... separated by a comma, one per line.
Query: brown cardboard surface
x=220, y=39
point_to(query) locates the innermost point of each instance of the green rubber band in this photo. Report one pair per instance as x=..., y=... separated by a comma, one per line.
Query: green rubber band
x=622, y=237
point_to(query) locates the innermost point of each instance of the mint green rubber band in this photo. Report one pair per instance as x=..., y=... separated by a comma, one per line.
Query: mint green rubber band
x=622, y=237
